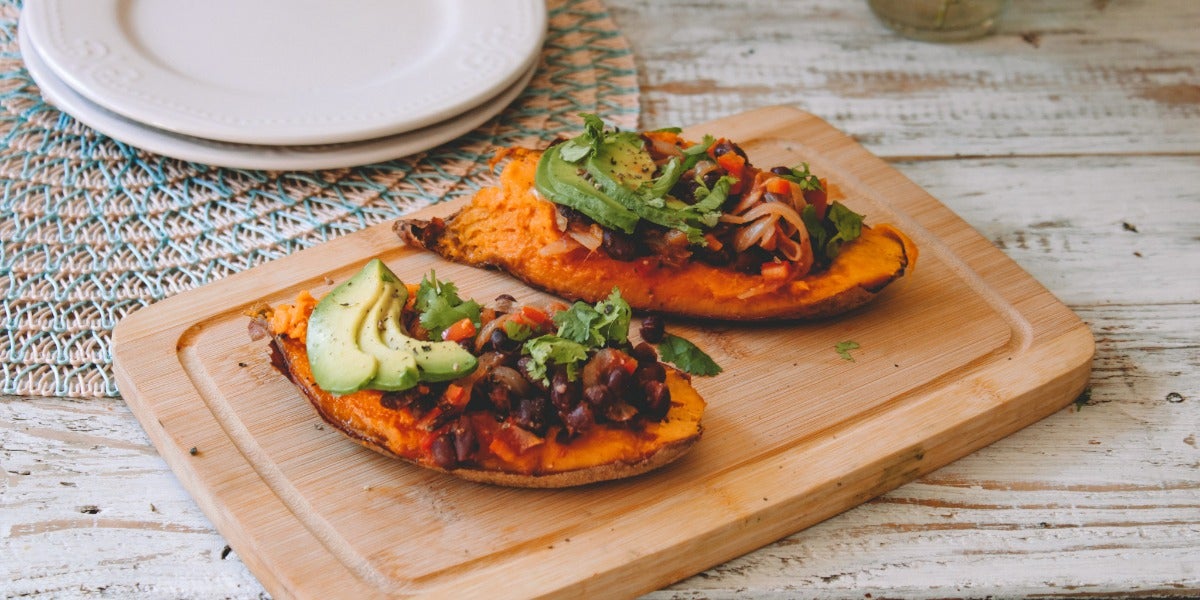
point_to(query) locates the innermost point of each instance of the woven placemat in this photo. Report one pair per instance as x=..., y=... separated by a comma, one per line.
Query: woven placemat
x=92, y=229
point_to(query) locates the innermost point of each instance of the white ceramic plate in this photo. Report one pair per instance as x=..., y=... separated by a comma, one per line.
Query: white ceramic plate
x=287, y=72
x=246, y=156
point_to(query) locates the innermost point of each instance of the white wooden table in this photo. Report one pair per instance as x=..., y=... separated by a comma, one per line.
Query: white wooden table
x=1071, y=139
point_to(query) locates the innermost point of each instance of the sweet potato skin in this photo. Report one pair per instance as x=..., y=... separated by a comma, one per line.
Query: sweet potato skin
x=506, y=227
x=602, y=453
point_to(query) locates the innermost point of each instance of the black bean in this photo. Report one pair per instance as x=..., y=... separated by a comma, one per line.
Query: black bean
x=645, y=353
x=658, y=399
x=619, y=246
x=617, y=381
x=501, y=398
x=652, y=329
x=564, y=393
x=649, y=372
x=597, y=395
x=781, y=171
x=464, y=440
x=500, y=342
x=530, y=413
x=443, y=451
x=579, y=419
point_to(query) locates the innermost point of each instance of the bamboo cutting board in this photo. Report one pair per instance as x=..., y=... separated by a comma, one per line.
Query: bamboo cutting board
x=964, y=350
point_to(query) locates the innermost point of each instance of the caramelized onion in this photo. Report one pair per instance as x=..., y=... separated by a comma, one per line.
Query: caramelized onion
x=560, y=246
x=512, y=379
x=754, y=232
x=590, y=238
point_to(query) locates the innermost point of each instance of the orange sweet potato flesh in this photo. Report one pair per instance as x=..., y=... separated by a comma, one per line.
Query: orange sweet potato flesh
x=507, y=226
x=601, y=453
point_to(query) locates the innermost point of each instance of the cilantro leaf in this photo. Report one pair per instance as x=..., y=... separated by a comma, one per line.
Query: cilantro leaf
x=801, y=176
x=440, y=307
x=586, y=143
x=841, y=225
x=686, y=356
x=843, y=349
x=517, y=331
x=848, y=224
x=817, y=235
x=550, y=349
x=580, y=328
x=596, y=326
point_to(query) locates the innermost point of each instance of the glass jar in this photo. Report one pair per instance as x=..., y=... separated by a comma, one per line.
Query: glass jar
x=940, y=20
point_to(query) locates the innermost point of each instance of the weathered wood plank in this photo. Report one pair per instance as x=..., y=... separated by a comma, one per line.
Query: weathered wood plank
x=1082, y=76
x=1065, y=505
x=1095, y=230
x=90, y=509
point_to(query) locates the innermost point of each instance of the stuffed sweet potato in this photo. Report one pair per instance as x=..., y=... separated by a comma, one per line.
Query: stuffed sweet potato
x=511, y=395
x=681, y=228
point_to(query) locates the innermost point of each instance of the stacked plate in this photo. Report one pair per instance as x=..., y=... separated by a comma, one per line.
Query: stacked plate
x=282, y=84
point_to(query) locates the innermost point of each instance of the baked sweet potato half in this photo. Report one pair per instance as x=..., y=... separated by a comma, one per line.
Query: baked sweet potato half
x=681, y=228
x=530, y=409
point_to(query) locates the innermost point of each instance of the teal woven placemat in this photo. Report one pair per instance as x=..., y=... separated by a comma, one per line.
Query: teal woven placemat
x=92, y=229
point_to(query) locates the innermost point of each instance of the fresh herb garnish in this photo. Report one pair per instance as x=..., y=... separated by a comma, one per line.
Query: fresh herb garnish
x=581, y=327
x=517, y=331
x=551, y=349
x=801, y=176
x=848, y=224
x=596, y=326
x=841, y=226
x=843, y=349
x=586, y=143
x=440, y=307
x=686, y=356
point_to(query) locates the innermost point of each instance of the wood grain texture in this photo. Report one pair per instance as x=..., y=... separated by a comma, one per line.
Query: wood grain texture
x=1072, y=95
x=1058, y=78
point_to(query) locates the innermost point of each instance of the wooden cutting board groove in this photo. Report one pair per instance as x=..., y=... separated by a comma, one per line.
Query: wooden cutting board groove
x=964, y=350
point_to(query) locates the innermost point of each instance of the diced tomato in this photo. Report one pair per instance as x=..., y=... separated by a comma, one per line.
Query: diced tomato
x=455, y=396
x=412, y=295
x=669, y=137
x=511, y=441
x=463, y=329
x=775, y=270
x=534, y=316
x=628, y=363
x=733, y=163
x=779, y=185
x=712, y=242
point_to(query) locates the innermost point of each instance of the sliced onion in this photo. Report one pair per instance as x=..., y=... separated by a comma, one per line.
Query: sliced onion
x=664, y=149
x=789, y=248
x=561, y=221
x=753, y=233
x=591, y=238
x=560, y=246
x=784, y=211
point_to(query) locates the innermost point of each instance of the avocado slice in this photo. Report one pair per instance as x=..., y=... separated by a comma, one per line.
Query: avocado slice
x=397, y=366
x=561, y=182
x=435, y=361
x=622, y=167
x=338, y=364
x=356, y=339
